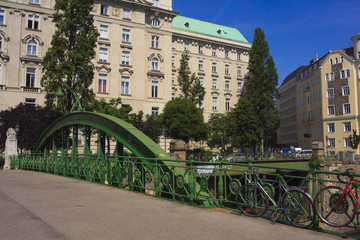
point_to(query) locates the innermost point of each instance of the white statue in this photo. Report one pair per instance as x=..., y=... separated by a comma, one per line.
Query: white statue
x=10, y=146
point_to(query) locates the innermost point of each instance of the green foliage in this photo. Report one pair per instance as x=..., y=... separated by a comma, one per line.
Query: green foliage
x=244, y=125
x=219, y=131
x=69, y=57
x=354, y=140
x=33, y=120
x=261, y=88
x=183, y=120
x=189, y=84
x=113, y=108
x=150, y=125
x=200, y=154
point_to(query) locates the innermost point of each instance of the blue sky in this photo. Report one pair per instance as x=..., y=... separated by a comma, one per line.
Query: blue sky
x=294, y=30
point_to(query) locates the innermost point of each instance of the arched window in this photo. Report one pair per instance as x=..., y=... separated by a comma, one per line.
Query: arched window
x=31, y=47
x=155, y=64
x=155, y=22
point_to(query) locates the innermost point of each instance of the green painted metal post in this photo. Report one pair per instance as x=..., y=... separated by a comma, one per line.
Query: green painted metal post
x=54, y=156
x=119, y=151
x=191, y=180
x=87, y=153
x=74, y=152
x=101, y=157
x=221, y=183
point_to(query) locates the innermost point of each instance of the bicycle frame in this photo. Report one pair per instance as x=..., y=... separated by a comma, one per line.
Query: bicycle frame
x=348, y=188
x=283, y=186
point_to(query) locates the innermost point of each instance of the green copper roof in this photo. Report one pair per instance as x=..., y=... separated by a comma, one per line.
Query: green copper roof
x=209, y=29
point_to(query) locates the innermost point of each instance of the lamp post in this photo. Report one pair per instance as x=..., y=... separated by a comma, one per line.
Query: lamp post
x=327, y=145
x=17, y=130
x=77, y=104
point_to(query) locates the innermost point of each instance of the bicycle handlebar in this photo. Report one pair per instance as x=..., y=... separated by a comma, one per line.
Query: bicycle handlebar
x=348, y=173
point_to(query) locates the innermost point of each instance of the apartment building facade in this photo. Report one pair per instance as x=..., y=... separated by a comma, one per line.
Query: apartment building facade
x=138, y=54
x=327, y=99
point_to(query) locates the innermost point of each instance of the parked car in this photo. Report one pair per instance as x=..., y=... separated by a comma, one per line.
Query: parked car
x=235, y=157
x=304, y=154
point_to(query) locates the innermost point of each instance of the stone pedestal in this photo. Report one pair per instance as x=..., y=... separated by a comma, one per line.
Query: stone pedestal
x=10, y=146
x=178, y=149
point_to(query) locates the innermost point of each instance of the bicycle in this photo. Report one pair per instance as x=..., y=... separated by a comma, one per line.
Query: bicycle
x=335, y=205
x=253, y=200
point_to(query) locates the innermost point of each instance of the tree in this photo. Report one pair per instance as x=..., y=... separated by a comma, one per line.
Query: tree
x=33, y=120
x=354, y=140
x=260, y=87
x=244, y=125
x=113, y=108
x=68, y=60
x=219, y=132
x=150, y=125
x=183, y=120
x=189, y=84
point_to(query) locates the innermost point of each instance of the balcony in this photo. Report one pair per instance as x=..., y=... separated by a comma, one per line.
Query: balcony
x=31, y=89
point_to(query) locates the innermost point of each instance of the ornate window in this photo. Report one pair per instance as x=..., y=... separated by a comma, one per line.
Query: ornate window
x=30, y=77
x=154, y=41
x=104, y=31
x=155, y=22
x=126, y=35
x=33, y=22
x=227, y=104
x=154, y=89
x=104, y=10
x=31, y=47
x=103, y=55
x=214, y=103
x=2, y=16
x=102, y=83
x=125, y=58
x=125, y=85
x=126, y=14
x=155, y=64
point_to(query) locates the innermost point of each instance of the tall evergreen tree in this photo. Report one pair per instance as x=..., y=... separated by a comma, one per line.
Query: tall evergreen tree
x=190, y=85
x=260, y=86
x=68, y=60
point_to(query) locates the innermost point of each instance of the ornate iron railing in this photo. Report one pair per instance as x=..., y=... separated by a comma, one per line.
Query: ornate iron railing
x=218, y=181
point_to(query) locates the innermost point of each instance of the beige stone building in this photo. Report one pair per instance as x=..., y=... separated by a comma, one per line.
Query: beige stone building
x=327, y=99
x=287, y=134
x=138, y=54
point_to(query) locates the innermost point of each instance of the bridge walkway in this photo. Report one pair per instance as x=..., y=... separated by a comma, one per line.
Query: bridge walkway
x=44, y=207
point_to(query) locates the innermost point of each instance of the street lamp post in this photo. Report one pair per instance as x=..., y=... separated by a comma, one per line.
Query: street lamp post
x=327, y=145
x=77, y=104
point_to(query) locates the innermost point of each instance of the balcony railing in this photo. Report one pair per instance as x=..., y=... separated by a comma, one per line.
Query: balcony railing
x=31, y=89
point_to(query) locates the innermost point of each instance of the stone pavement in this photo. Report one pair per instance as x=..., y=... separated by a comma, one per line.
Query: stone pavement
x=42, y=206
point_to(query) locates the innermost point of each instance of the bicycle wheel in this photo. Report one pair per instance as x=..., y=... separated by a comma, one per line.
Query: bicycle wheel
x=299, y=208
x=251, y=200
x=325, y=206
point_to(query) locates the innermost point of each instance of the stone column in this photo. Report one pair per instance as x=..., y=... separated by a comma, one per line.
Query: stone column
x=10, y=146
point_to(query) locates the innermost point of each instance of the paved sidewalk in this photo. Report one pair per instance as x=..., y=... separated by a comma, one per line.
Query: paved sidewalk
x=42, y=206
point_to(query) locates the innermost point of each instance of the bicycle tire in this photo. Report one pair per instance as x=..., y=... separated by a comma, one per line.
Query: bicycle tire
x=340, y=216
x=251, y=200
x=299, y=208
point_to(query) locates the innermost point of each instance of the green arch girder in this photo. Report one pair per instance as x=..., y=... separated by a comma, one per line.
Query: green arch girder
x=133, y=139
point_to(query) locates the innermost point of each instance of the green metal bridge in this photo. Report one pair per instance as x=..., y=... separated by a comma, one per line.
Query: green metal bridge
x=117, y=154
